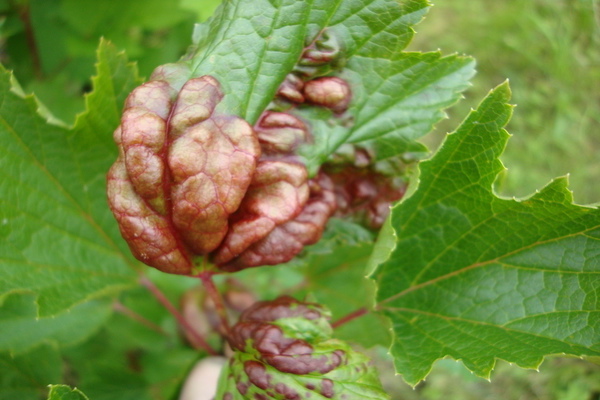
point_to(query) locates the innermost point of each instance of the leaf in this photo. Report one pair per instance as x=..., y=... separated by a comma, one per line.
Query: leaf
x=477, y=277
x=283, y=349
x=22, y=330
x=396, y=101
x=67, y=34
x=107, y=371
x=354, y=380
x=251, y=57
x=335, y=271
x=397, y=97
x=59, y=238
x=27, y=376
x=64, y=392
x=127, y=359
x=404, y=96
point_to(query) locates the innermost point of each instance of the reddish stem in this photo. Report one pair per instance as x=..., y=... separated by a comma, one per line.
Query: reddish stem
x=121, y=308
x=216, y=298
x=24, y=15
x=198, y=340
x=350, y=317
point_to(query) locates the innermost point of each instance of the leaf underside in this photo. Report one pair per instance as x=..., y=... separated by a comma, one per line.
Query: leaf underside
x=397, y=96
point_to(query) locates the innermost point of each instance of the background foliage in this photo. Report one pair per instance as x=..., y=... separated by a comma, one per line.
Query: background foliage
x=552, y=138
x=550, y=51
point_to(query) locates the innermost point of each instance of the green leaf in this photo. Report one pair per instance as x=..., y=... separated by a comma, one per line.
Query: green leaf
x=107, y=371
x=477, y=277
x=22, y=330
x=63, y=392
x=397, y=96
x=396, y=101
x=335, y=271
x=27, y=376
x=252, y=56
x=127, y=359
x=59, y=238
x=404, y=96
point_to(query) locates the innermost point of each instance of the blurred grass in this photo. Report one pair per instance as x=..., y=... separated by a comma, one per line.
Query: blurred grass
x=550, y=52
x=558, y=379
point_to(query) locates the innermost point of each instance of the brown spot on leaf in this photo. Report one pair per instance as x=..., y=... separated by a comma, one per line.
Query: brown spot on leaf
x=280, y=132
x=291, y=89
x=257, y=373
x=327, y=388
x=286, y=391
x=330, y=92
x=242, y=387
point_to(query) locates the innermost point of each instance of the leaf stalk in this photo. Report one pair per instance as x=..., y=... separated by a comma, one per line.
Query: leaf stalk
x=198, y=341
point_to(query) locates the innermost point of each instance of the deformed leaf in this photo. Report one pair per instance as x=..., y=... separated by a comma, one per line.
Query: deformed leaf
x=283, y=350
x=477, y=277
x=397, y=96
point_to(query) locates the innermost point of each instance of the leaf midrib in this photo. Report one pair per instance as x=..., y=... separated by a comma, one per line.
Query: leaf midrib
x=451, y=319
x=477, y=265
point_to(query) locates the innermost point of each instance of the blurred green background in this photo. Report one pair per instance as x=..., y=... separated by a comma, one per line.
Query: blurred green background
x=549, y=49
x=550, y=52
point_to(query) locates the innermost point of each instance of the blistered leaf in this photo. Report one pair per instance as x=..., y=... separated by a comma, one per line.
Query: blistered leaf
x=283, y=350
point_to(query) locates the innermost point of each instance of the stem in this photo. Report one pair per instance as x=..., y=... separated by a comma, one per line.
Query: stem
x=352, y=316
x=25, y=17
x=128, y=312
x=216, y=298
x=199, y=341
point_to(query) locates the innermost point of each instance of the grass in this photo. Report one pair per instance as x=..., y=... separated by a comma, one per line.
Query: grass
x=550, y=52
x=558, y=379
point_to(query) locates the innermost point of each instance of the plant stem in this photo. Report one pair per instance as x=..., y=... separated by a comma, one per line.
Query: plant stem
x=198, y=340
x=128, y=312
x=25, y=16
x=216, y=298
x=350, y=317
